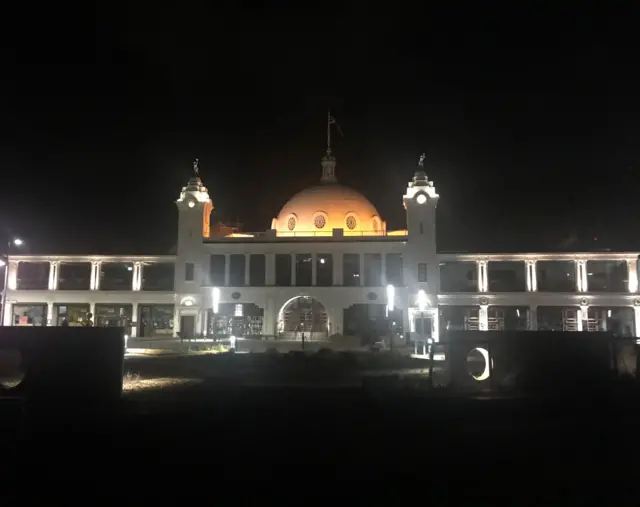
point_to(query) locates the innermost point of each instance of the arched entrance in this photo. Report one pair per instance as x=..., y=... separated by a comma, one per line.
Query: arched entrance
x=303, y=314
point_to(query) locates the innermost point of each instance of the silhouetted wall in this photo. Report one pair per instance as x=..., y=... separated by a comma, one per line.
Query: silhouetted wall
x=535, y=360
x=67, y=362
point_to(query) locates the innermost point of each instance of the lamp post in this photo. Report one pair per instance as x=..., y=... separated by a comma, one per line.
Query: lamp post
x=4, y=261
x=391, y=295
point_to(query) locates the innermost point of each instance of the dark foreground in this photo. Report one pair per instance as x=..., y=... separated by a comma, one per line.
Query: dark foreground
x=563, y=445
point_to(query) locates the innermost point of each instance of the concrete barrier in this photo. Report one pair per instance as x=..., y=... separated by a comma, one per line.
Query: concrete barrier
x=66, y=363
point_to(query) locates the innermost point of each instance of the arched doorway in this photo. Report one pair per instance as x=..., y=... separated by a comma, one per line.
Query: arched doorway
x=303, y=314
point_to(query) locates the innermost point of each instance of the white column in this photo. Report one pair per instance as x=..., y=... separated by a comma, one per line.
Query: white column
x=583, y=314
x=636, y=315
x=533, y=318
x=483, y=318
x=205, y=322
x=92, y=310
x=293, y=270
x=8, y=314
x=53, y=275
x=337, y=262
x=227, y=270
x=176, y=320
x=247, y=272
x=49, y=313
x=632, y=270
x=134, y=320
x=483, y=285
x=12, y=280
x=582, y=280
x=136, y=282
x=383, y=269
x=532, y=280
x=270, y=269
x=314, y=269
x=95, y=275
x=435, y=316
x=361, y=269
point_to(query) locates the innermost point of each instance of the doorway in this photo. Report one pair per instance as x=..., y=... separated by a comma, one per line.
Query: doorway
x=187, y=326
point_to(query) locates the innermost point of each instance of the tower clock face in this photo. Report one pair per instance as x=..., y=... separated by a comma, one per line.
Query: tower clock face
x=191, y=203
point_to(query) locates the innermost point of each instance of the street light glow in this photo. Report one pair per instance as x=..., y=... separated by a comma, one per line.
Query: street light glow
x=391, y=292
x=18, y=242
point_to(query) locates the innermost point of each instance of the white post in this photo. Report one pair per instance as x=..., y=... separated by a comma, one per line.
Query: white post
x=49, y=313
x=483, y=318
x=632, y=269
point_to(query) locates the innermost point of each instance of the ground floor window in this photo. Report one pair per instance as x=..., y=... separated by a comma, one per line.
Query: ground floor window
x=235, y=319
x=73, y=315
x=30, y=315
x=114, y=316
x=372, y=322
x=156, y=320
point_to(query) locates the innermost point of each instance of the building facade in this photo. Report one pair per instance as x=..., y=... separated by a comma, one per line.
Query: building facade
x=327, y=266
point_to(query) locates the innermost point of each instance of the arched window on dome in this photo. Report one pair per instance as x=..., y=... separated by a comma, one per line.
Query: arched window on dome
x=377, y=225
x=319, y=220
x=351, y=222
x=291, y=223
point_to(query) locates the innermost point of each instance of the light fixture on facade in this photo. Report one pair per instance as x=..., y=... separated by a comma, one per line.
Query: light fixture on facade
x=423, y=301
x=215, y=297
x=421, y=199
x=187, y=302
x=191, y=204
x=391, y=294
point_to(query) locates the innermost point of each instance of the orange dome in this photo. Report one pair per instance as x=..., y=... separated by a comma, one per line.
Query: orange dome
x=317, y=210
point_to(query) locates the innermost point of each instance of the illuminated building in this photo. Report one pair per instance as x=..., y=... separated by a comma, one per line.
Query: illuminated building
x=323, y=268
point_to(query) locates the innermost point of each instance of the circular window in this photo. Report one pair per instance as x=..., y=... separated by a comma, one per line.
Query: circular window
x=291, y=224
x=351, y=222
x=320, y=221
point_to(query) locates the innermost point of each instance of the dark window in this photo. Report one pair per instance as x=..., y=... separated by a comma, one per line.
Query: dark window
x=283, y=270
x=303, y=270
x=394, y=270
x=607, y=276
x=351, y=269
x=372, y=270
x=236, y=270
x=324, y=269
x=458, y=277
x=422, y=271
x=257, y=270
x=556, y=276
x=33, y=275
x=189, y=272
x=421, y=228
x=507, y=276
x=116, y=276
x=74, y=276
x=217, y=265
x=158, y=276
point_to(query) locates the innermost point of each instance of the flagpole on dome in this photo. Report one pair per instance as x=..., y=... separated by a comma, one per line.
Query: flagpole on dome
x=329, y=161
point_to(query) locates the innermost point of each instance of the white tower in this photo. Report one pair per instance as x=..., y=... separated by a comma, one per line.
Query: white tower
x=194, y=214
x=420, y=261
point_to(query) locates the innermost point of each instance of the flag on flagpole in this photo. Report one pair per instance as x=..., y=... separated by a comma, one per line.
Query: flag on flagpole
x=332, y=121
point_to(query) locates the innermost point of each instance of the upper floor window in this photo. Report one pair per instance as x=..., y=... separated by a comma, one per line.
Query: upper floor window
x=189, y=272
x=422, y=271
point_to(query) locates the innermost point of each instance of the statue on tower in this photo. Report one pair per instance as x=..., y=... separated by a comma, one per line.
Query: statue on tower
x=196, y=169
x=422, y=159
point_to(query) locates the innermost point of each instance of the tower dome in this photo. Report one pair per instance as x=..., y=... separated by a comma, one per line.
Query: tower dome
x=317, y=210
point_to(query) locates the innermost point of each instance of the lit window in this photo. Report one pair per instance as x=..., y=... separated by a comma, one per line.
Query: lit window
x=351, y=222
x=291, y=224
x=238, y=310
x=320, y=221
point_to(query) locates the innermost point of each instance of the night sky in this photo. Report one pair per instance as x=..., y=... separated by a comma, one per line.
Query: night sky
x=530, y=118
